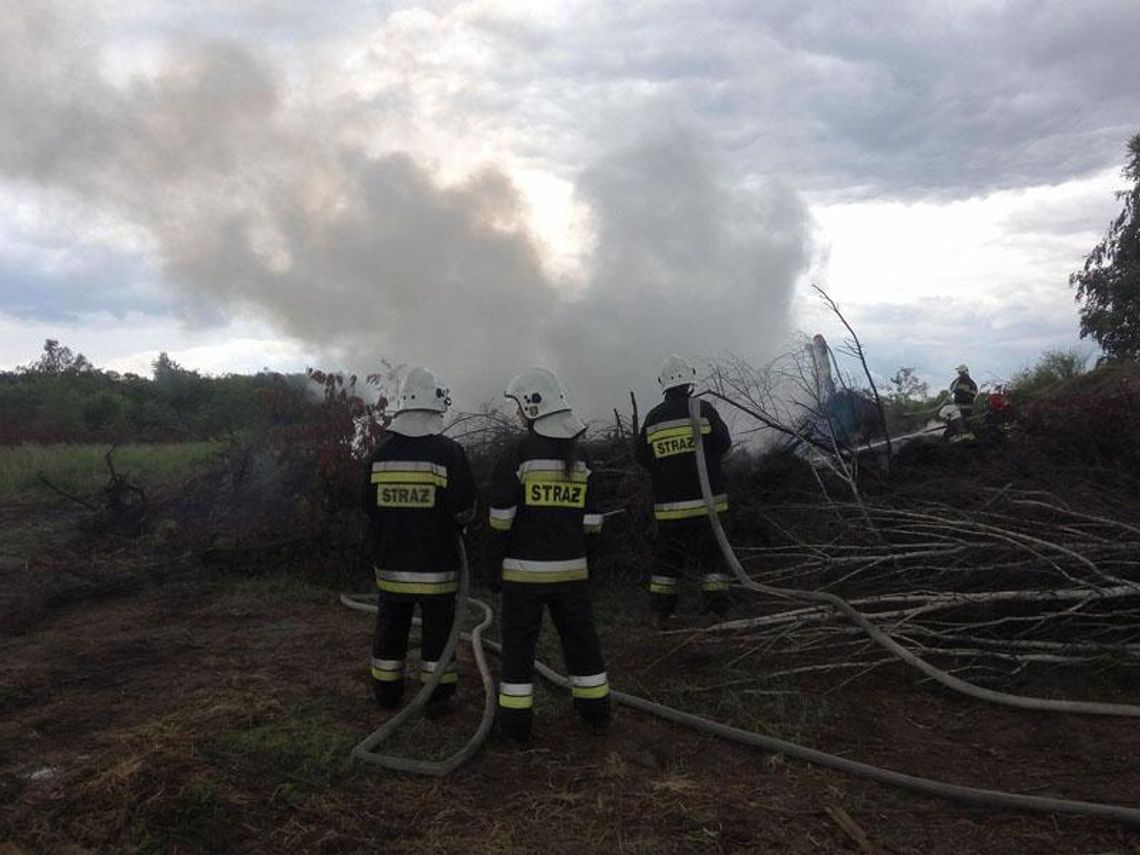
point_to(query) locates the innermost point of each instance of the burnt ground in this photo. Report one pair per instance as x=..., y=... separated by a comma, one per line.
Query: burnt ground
x=215, y=713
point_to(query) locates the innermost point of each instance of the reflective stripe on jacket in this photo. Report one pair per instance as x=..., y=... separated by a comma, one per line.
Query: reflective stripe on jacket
x=543, y=508
x=665, y=447
x=419, y=490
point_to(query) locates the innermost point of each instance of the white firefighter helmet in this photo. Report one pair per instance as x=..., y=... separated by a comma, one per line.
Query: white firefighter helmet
x=423, y=390
x=676, y=372
x=963, y=368
x=543, y=403
x=420, y=404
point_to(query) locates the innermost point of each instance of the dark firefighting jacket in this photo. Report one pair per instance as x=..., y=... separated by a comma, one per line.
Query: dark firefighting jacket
x=964, y=390
x=544, y=510
x=665, y=447
x=420, y=489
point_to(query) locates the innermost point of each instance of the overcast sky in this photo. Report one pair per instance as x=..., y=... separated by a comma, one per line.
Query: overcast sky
x=486, y=185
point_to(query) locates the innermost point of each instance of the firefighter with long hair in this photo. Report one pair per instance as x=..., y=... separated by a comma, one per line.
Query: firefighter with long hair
x=542, y=508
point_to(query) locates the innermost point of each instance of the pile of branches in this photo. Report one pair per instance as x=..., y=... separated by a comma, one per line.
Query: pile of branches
x=1019, y=578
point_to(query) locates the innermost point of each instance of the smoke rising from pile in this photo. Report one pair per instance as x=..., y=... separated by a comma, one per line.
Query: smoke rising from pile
x=253, y=198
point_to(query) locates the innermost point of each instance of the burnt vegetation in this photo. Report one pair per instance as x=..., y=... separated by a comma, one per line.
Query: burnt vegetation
x=1008, y=560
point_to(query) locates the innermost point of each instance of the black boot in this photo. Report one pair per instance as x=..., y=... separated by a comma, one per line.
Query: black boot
x=443, y=702
x=388, y=693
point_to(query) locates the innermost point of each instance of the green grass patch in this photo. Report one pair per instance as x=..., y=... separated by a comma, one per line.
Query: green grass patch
x=82, y=469
x=302, y=739
x=278, y=588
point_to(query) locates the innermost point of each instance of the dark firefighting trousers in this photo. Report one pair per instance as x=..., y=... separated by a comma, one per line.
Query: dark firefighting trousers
x=573, y=617
x=390, y=644
x=687, y=547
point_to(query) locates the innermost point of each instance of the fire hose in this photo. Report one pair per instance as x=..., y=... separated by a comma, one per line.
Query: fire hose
x=925, y=786
x=876, y=634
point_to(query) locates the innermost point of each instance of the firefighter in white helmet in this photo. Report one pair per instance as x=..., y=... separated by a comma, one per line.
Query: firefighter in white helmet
x=542, y=507
x=665, y=447
x=964, y=390
x=419, y=494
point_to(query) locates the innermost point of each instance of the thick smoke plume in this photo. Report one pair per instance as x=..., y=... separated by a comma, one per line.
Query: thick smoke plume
x=253, y=196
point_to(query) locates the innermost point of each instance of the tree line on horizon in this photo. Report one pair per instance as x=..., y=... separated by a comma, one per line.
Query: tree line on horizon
x=62, y=397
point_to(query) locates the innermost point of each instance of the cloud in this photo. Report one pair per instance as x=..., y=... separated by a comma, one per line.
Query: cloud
x=366, y=179
x=899, y=99
x=96, y=280
x=253, y=197
x=934, y=335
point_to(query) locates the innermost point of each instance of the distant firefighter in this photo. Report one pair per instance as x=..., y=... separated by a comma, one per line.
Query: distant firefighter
x=964, y=390
x=420, y=491
x=684, y=536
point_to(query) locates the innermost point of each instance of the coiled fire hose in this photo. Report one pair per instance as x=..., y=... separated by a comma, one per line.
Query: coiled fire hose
x=365, y=752
x=925, y=786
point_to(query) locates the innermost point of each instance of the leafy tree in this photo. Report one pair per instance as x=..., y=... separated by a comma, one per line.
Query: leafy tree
x=1109, y=282
x=58, y=359
x=906, y=388
x=1054, y=368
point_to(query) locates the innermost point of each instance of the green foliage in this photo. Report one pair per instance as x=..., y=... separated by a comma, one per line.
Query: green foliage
x=333, y=438
x=906, y=399
x=907, y=388
x=1109, y=282
x=82, y=469
x=58, y=359
x=1054, y=368
x=61, y=397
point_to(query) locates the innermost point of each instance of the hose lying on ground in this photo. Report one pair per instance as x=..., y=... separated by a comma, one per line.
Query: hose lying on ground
x=925, y=786
x=914, y=783
x=876, y=634
x=365, y=750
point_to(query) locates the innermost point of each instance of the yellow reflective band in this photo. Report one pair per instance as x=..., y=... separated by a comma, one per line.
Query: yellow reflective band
x=576, y=575
x=685, y=513
x=714, y=586
x=387, y=676
x=449, y=677
x=405, y=496
x=417, y=587
x=590, y=691
x=659, y=588
x=575, y=476
x=501, y=524
x=670, y=433
x=516, y=702
x=409, y=477
x=592, y=529
x=549, y=493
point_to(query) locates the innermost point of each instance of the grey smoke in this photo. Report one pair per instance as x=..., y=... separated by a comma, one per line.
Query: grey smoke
x=254, y=200
x=686, y=262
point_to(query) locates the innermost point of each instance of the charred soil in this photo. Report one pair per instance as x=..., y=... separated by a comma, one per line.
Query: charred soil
x=214, y=713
